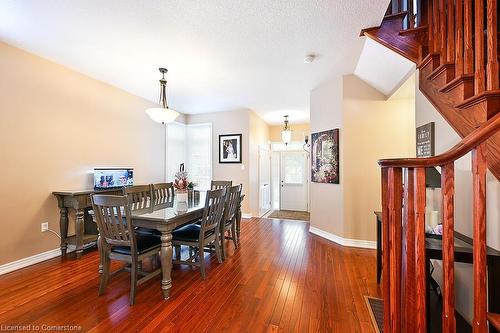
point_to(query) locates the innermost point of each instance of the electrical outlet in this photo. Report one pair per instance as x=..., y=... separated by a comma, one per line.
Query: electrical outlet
x=45, y=226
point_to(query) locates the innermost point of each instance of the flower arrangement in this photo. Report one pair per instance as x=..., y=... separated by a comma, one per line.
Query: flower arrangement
x=181, y=182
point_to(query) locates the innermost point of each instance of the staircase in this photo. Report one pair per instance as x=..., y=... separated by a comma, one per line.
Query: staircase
x=458, y=61
x=454, y=44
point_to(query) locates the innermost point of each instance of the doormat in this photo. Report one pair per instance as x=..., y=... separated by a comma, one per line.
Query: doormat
x=290, y=215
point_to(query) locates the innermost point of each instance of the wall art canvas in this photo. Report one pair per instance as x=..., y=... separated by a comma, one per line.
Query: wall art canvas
x=325, y=163
x=230, y=148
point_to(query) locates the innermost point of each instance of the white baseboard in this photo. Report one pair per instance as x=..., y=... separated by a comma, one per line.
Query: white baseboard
x=344, y=241
x=246, y=215
x=21, y=263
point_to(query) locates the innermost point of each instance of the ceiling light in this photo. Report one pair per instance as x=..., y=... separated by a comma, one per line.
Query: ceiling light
x=163, y=114
x=286, y=133
x=309, y=58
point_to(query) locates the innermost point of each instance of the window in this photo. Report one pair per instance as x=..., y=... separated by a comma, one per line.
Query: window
x=176, y=148
x=192, y=145
x=199, y=154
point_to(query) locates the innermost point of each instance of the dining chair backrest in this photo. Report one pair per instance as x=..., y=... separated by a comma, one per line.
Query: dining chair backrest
x=112, y=214
x=218, y=184
x=214, y=209
x=139, y=196
x=233, y=195
x=163, y=190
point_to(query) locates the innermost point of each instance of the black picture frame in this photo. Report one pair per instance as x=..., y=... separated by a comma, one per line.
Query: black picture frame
x=230, y=143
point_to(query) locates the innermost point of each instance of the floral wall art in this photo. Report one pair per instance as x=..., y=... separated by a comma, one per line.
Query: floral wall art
x=325, y=163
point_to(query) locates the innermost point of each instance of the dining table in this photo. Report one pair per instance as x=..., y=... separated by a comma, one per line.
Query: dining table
x=165, y=215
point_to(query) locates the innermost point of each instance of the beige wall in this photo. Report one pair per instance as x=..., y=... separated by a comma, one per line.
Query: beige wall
x=254, y=131
x=374, y=128
x=371, y=128
x=298, y=132
x=259, y=136
x=327, y=200
x=446, y=138
x=56, y=125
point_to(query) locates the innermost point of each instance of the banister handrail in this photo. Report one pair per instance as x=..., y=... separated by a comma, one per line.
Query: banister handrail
x=474, y=139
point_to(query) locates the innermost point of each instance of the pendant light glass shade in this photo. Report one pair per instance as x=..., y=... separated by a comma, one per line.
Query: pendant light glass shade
x=286, y=133
x=162, y=114
x=286, y=136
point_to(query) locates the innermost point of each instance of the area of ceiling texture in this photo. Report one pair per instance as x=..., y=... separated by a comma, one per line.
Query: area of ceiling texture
x=221, y=54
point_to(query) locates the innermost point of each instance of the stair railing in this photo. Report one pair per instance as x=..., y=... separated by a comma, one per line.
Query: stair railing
x=404, y=256
x=462, y=33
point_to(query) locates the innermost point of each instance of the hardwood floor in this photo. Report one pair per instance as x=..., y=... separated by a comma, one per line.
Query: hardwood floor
x=281, y=279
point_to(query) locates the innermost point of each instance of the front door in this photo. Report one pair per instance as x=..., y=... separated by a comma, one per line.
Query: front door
x=294, y=181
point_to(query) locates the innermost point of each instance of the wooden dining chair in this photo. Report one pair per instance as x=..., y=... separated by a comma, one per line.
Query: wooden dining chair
x=139, y=196
x=119, y=241
x=218, y=184
x=163, y=190
x=200, y=237
x=229, y=220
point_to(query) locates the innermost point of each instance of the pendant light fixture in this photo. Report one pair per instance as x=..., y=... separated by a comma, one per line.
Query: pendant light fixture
x=286, y=133
x=162, y=114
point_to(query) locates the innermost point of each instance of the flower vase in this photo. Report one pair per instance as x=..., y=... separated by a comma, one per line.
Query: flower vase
x=182, y=196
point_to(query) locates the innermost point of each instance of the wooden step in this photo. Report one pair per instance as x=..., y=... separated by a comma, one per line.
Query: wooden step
x=388, y=34
x=494, y=319
x=444, y=74
x=462, y=87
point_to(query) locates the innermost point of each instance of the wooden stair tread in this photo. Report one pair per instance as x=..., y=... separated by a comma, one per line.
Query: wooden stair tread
x=405, y=46
x=494, y=319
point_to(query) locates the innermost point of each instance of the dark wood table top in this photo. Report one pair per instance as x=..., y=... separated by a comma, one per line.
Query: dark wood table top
x=463, y=244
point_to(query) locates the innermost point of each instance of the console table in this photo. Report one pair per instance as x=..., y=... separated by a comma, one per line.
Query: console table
x=85, y=228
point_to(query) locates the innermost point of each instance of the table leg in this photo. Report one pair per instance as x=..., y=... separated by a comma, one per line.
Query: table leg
x=166, y=263
x=63, y=226
x=79, y=230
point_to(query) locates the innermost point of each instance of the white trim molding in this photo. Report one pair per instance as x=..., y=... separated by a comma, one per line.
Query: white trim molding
x=21, y=263
x=246, y=215
x=344, y=241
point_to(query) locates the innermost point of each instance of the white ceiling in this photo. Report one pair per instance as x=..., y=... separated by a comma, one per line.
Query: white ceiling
x=221, y=54
x=382, y=68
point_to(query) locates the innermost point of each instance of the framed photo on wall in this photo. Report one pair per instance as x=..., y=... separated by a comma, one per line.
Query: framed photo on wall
x=325, y=163
x=230, y=148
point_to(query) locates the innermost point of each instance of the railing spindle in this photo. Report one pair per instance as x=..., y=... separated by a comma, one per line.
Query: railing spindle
x=395, y=209
x=468, y=43
x=409, y=260
x=420, y=255
x=479, y=239
x=459, y=40
x=448, y=208
x=479, y=83
x=437, y=27
x=430, y=20
x=450, y=42
x=492, y=66
x=385, y=252
x=442, y=30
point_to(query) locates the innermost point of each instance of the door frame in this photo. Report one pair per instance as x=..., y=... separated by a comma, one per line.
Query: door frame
x=269, y=151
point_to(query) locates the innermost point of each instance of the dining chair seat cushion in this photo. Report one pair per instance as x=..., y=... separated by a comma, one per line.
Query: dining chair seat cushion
x=189, y=233
x=147, y=231
x=145, y=243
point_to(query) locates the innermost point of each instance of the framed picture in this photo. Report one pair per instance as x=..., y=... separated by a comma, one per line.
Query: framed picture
x=325, y=163
x=425, y=140
x=230, y=148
